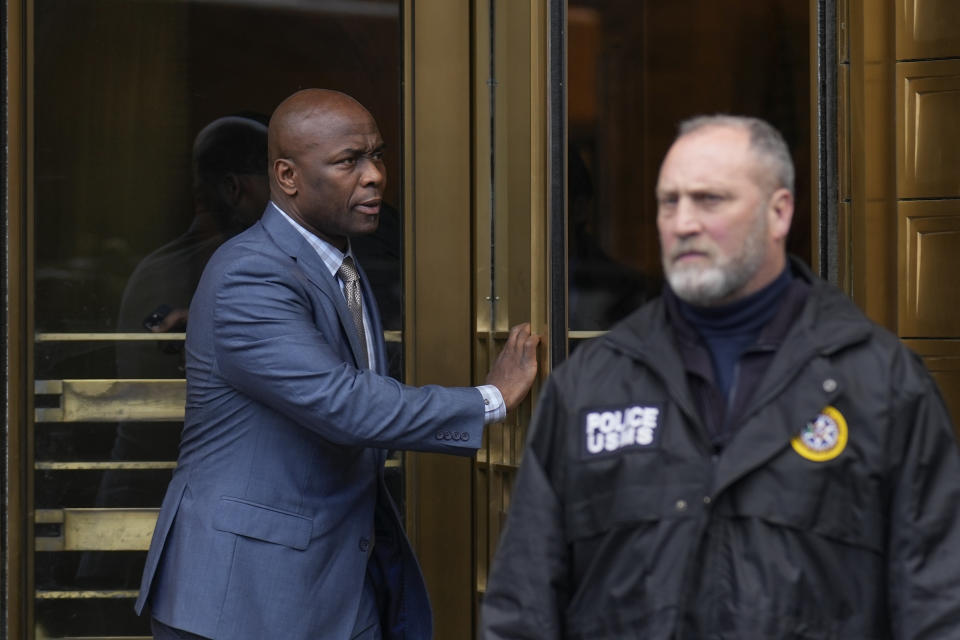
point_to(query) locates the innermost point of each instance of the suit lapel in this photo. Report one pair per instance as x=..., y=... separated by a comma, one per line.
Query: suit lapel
x=314, y=269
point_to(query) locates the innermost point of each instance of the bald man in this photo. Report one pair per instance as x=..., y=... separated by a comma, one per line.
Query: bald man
x=277, y=522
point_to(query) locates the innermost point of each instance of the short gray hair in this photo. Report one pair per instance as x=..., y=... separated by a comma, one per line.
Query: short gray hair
x=765, y=141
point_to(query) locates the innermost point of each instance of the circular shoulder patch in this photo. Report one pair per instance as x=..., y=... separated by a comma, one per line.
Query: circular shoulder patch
x=823, y=439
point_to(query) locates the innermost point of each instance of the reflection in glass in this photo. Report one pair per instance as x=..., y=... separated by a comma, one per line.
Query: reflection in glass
x=230, y=191
x=602, y=290
x=149, y=153
x=637, y=68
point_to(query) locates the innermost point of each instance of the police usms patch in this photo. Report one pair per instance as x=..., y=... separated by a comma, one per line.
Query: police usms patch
x=824, y=438
x=608, y=430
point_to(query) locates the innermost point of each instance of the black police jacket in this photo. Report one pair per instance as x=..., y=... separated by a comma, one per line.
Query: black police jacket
x=833, y=512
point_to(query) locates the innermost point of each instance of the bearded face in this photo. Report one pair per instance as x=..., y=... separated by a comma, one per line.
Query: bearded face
x=719, y=272
x=722, y=225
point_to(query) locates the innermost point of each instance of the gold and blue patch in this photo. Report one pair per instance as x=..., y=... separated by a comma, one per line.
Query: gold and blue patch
x=824, y=438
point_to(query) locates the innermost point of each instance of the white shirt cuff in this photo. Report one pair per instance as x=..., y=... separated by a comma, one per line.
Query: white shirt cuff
x=494, y=410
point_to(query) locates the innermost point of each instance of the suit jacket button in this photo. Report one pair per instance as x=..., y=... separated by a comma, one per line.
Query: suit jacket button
x=446, y=435
x=364, y=544
x=439, y=435
x=465, y=436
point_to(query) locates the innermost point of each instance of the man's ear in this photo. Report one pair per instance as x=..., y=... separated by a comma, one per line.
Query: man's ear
x=285, y=173
x=780, y=213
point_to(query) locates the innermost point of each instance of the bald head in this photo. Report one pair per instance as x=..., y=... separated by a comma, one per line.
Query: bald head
x=326, y=164
x=301, y=118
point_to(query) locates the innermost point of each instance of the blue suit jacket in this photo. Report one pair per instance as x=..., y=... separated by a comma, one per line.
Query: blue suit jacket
x=266, y=527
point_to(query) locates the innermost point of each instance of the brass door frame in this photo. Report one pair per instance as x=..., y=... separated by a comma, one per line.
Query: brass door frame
x=826, y=244
x=868, y=173
x=438, y=260
x=476, y=248
x=18, y=554
x=556, y=342
x=514, y=200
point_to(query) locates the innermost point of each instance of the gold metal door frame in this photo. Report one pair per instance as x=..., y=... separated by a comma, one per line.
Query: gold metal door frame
x=476, y=254
x=19, y=321
x=513, y=254
x=439, y=309
x=827, y=224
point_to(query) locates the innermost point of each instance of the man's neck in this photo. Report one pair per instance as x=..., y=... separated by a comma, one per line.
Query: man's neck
x=730, y=329
x=340, y=244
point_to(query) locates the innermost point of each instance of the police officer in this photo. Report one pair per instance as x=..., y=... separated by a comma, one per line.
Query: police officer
x=746, y=456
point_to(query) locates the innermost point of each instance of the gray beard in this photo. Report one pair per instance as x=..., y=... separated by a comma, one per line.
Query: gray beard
x=713, y=285
x=702, y=287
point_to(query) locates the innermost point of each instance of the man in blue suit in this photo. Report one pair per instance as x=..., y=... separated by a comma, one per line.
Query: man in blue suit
x=277, y=523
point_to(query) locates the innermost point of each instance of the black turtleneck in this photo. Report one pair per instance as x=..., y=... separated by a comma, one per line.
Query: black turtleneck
x=731, y=329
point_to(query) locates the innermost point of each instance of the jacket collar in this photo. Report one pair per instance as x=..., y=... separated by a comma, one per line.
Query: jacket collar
x=315, y=270
x=828, y=323
x=282, y=232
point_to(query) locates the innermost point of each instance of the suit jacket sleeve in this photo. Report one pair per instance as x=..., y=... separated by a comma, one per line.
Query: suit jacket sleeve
x=277, y=340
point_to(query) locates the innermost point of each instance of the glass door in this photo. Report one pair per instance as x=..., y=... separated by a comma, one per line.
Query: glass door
x=147, y=124
x=635, y=70
x=518, y=182
x=577, y=102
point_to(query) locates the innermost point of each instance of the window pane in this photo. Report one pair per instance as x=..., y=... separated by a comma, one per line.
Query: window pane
x=149, y=152
x=636, y=68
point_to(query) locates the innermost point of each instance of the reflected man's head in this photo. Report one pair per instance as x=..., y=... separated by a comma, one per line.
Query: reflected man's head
x=230, y=171
x=326, y=164
x=724, y=206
